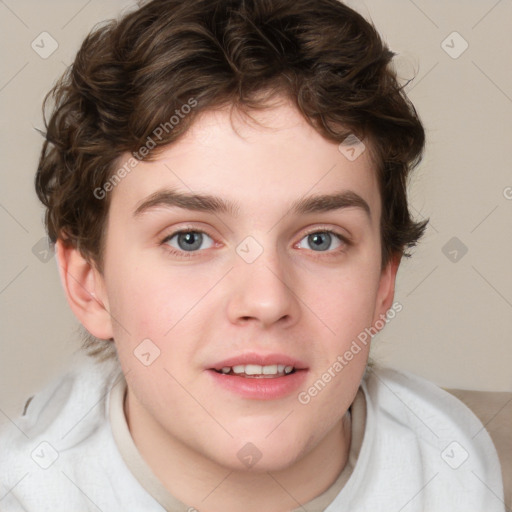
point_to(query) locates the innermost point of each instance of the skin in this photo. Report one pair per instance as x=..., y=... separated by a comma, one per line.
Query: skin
x=293, y=299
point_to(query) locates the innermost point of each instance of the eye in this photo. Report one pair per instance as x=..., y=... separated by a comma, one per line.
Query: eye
x=189, y=241
x=322, y=241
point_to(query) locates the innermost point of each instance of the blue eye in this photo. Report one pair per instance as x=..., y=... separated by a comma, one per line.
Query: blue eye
x=188, y=241
x=321, y=241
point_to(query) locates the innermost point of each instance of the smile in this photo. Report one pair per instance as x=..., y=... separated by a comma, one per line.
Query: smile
x=258, y=371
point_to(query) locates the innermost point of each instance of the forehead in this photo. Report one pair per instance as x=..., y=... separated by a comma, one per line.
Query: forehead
x=255, y=165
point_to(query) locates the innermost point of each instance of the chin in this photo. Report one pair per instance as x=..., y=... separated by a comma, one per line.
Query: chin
x=258, y=454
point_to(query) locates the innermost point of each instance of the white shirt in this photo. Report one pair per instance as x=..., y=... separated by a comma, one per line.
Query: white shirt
x=422, y=450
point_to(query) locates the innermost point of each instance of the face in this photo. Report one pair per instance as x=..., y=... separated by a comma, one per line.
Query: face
x=279, y=264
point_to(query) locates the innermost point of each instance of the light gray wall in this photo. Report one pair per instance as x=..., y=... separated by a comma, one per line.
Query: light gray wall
x=456, y=322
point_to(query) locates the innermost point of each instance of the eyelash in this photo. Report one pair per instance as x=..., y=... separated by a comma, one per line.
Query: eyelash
x=191, y=254
x=345, y=241
x=182, y=254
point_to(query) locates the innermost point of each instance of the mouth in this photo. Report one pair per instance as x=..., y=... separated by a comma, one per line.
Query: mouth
x=252, y=365
x=259, y=376
x=256, y=371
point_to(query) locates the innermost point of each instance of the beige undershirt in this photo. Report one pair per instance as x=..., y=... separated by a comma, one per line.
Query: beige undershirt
x=148, y=480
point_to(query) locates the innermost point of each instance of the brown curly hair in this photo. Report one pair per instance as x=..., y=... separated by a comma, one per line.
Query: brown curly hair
x=132, y=75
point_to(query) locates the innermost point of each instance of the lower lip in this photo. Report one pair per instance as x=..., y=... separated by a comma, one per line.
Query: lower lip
x=260, y=388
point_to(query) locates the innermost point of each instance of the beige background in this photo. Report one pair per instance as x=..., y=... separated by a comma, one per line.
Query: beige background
x=455, y=327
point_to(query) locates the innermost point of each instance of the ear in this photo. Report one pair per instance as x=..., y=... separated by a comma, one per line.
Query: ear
x=386, y=291
x=85, y=290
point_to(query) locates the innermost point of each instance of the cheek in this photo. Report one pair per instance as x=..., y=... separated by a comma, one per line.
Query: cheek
x=148, y=299
x=167, y=307
x=345, y=306
x=344, y=301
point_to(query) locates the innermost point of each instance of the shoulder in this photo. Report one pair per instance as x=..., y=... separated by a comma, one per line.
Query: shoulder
x=424, y=445
x=420, y=404
x=54, y=407
x=61, y=423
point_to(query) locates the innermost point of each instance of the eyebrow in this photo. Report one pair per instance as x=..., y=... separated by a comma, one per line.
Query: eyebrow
x=212, y=204
x=197, y=202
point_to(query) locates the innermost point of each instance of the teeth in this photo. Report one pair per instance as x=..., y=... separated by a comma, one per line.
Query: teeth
x=256, y=369
x=270, y=370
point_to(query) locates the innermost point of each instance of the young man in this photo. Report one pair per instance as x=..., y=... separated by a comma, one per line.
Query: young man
x=225, y=185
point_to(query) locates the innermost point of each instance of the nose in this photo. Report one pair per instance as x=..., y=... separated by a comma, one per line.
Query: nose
x=263, y=292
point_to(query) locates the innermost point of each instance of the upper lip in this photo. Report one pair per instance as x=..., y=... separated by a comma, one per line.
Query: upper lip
x=260, y=359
